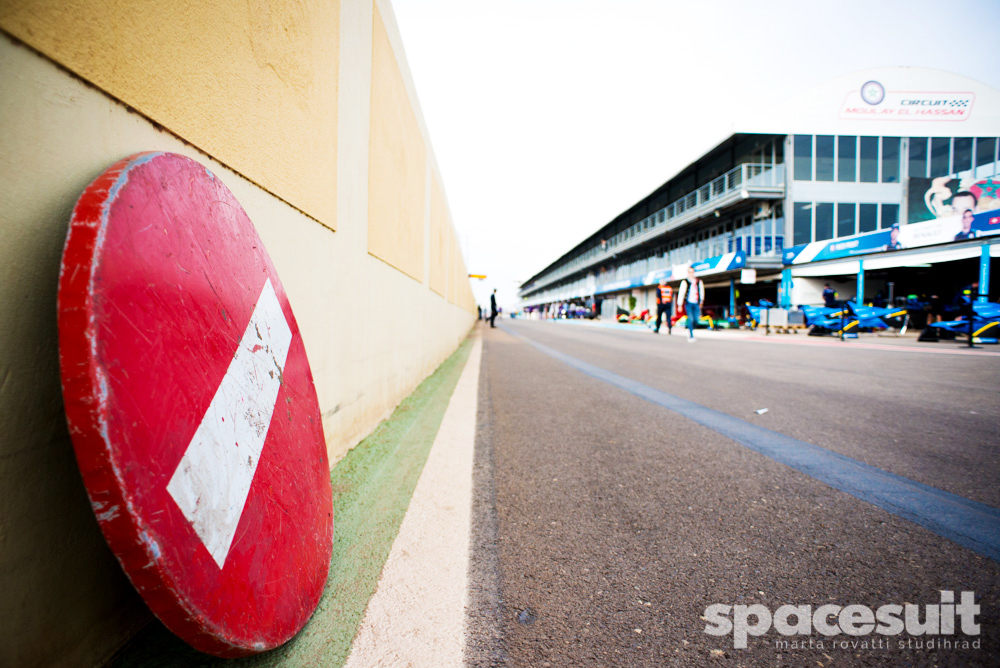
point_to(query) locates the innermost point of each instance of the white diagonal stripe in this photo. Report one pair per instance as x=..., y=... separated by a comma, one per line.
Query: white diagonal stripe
x=212, y=481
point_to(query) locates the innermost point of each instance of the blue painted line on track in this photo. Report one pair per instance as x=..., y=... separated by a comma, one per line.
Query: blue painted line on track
x=969, y=523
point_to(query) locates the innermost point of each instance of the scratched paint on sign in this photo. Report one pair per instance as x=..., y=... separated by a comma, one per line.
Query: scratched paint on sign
x=212, y=482
x=219, y=511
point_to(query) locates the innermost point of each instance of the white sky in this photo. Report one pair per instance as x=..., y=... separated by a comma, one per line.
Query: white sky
x=550, y=117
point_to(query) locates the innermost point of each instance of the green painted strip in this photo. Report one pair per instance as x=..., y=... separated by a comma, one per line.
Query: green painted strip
x=372, y=487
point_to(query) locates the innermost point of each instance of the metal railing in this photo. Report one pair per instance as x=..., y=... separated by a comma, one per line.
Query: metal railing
x=687, y=208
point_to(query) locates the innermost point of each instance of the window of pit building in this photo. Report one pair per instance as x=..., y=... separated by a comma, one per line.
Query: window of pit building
x=803, y=151
x=824, y=157
x=868, y=165
x=986, y=156
x=890, y=215
x=962, y=156
x=940, y=156
x=802, y=223
x=867, y=217
x=847, y=158
x=824, y=221
x=890, y=159
x=846, y=219
x=918, y=157
x=779, y=228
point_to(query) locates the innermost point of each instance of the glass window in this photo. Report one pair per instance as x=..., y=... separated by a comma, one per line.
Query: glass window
x=890, y=159
x=940, y=156
x=869, y=160
x=847, y=158
x=867, y=217
x=824, y=221
x=802, y=223
x=803, y=157
x=985, y=154
x=918, y=157
x=962, y=160
x=824, y=157
x=845, y=219
x=890, y=215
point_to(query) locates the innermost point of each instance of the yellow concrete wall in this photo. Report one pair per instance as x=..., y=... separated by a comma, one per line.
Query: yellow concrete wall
x=293, y=134
x=439, y=277
x=462, y=288
x=452, y=267
x=253, y=84
x=398, y=165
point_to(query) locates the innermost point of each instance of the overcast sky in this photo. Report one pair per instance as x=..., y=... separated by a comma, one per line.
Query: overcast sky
x=550, y=117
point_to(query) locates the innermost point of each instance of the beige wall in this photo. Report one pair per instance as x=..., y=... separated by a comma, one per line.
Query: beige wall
x=305, y=166
x=397, y=167
x=254, y=84
x=438, y=278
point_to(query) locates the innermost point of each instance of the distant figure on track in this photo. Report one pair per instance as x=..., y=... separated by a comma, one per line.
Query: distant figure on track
x=493, y=307
x=692, y=295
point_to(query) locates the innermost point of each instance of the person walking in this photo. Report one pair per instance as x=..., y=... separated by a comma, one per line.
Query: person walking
x=692, y=295
x=664, y=305
x=493, y=307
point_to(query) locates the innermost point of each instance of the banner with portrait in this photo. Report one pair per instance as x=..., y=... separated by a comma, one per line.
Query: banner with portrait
x=941, y=210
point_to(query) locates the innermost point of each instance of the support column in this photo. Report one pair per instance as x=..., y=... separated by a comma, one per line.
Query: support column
x=785, y=289
x=984, y=274
x=732, y=297
x=860, y=298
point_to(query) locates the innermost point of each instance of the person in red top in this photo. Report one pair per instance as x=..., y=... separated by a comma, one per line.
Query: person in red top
x=664, y=304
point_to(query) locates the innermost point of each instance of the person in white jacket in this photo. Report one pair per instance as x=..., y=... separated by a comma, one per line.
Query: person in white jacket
x=692, y=295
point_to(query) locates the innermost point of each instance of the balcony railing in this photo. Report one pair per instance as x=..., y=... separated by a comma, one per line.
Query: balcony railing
x=690, y=207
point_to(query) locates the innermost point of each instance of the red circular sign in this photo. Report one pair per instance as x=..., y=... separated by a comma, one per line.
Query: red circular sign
x=192, y=407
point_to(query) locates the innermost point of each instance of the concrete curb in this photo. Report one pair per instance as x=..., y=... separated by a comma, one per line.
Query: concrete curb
x=417, y=615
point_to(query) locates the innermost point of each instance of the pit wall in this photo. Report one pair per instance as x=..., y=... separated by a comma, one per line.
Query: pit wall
x=307, y=112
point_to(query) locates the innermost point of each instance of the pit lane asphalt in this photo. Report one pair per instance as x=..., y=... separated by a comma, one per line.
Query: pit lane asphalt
x=604, y=525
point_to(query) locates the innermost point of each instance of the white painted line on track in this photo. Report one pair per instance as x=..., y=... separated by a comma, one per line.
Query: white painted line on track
x=417, y=615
